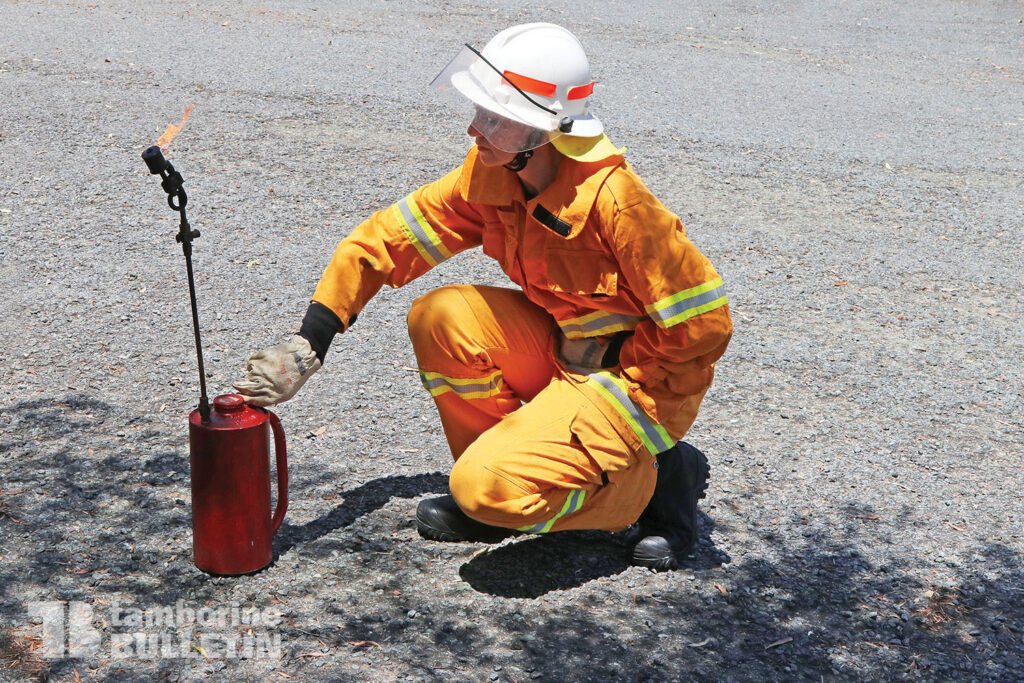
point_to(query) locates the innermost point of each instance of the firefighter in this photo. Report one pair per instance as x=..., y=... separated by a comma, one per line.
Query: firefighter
x=564, y=401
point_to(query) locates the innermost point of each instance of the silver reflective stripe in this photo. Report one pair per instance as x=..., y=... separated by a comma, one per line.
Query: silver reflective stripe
x=418, y=229
x=573, y=502
x=654, y=436
x=469, y=387
x=599, y=323
x=688, y=303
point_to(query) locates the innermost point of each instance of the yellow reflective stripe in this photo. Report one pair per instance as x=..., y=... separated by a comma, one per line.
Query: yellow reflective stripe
x=417, y=229
x=597, y=323
x=573, y=502
x=465, y=387
x=688, y=303
x=613, y=388
x=433, y=236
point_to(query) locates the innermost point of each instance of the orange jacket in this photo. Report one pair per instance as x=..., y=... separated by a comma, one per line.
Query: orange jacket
x=595, y=249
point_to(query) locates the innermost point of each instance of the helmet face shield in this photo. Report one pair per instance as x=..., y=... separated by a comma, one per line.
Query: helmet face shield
x=506, y=134
x=509, y=119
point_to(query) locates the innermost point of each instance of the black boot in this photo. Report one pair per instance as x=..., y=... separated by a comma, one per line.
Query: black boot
x=667, y=529
x=441, y=519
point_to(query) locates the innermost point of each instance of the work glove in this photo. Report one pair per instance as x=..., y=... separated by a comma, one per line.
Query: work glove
x=583, y=353
x=277, y=373
x=594, y=352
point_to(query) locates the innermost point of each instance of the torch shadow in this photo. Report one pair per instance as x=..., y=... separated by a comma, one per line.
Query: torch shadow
x=359, y=502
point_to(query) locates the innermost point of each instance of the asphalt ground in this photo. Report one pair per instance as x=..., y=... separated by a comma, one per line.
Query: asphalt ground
x=853, y=169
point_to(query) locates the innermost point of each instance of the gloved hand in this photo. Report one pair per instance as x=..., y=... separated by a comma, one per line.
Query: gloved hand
x=275, y=374
x=583, y=353
x=593, y=352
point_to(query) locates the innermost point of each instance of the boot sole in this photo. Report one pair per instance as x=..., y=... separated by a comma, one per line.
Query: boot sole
x=432, y=534
x=436, y=535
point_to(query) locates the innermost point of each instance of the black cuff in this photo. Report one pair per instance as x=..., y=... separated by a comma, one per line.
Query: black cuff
x=611, y=354
x=319, y=327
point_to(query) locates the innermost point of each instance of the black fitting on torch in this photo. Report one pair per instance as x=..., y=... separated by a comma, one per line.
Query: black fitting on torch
x=171, y=181
x=173, y=184
x=155, y=160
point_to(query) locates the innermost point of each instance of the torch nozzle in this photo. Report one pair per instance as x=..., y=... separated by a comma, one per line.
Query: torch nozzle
x=155, y=160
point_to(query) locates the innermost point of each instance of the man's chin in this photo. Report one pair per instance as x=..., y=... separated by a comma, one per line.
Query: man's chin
x=491, y=157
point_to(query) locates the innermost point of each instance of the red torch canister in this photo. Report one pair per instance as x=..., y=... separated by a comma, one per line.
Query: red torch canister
x=232, y=528
x=229, y=447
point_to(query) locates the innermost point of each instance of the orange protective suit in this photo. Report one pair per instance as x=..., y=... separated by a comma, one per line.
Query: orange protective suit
x=595, y=254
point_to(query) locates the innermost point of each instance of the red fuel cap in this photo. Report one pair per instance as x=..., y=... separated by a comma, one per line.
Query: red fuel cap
x=231, y=412
x=228, y=402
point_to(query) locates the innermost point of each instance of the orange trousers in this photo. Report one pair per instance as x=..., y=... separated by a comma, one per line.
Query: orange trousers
x=531, y=451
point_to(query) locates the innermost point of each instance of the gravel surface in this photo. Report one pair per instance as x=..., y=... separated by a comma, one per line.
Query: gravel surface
x=855, y=171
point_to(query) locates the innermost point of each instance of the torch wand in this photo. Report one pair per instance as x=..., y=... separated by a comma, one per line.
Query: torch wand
x=172, y=184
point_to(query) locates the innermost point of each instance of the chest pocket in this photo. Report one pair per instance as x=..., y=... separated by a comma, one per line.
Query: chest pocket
x=585, y=273
x=498, y=237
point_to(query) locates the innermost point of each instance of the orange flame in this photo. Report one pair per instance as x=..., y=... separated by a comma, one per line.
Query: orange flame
x=165, y=140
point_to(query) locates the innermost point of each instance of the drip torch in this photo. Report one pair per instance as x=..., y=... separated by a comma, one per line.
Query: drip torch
x=229, y=447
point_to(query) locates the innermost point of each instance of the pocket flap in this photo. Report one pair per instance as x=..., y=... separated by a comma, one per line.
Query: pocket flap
x=581, y=272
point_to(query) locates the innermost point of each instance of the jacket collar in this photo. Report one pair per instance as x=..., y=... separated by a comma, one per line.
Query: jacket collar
x=573, y=194
x=495, y=185
x=570, y=197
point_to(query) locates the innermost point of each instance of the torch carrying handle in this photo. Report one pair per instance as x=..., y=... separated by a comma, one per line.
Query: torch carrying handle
x=282, y=473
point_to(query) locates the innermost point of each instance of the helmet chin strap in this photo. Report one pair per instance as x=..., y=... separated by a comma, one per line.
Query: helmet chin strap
x=519, y=162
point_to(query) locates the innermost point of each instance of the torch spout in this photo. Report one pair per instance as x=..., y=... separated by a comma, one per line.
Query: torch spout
x=155, y=160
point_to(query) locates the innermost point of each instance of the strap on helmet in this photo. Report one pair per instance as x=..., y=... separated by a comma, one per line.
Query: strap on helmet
x=519, y=162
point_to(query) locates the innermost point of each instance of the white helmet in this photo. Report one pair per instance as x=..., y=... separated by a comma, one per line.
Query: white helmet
x=534, y=74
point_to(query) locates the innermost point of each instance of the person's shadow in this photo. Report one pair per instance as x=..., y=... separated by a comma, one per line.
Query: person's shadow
x=526, y=567
x=531, y=566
